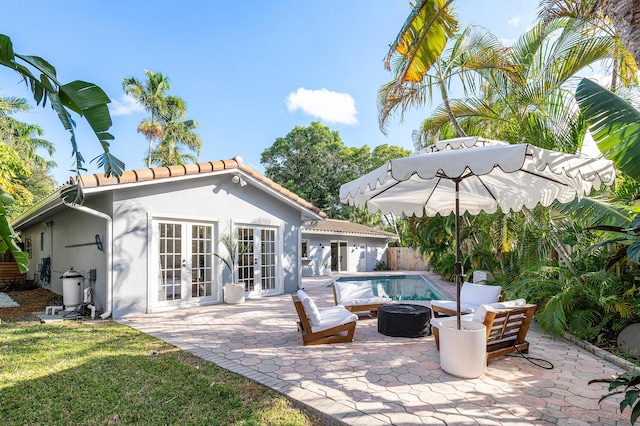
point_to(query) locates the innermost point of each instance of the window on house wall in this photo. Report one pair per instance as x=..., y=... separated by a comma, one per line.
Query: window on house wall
x=42, y=241
x=27, y=246
x=304, y=249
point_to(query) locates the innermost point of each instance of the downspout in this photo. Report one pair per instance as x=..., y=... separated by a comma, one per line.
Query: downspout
x=107, y=251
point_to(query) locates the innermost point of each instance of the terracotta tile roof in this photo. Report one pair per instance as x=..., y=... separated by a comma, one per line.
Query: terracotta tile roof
x=334, y=226
x=156, y=173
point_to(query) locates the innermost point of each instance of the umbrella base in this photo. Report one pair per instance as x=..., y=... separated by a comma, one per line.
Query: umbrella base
x=463, y=353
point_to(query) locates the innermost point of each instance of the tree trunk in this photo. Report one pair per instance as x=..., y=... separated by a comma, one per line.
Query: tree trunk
x=625, y=15
x=445, y=102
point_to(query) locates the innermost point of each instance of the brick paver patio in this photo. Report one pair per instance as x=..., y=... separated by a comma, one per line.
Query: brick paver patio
x=381, y=380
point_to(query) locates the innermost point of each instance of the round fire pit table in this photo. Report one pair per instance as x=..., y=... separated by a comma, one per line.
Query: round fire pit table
x=404, y=320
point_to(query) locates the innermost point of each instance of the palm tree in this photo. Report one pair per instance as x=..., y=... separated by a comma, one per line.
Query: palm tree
x=152, y=94
x=177, y=133
x=166, y=125
x=617, y=15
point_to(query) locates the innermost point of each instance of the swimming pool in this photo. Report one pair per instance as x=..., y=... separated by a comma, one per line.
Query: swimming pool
x=400, y=287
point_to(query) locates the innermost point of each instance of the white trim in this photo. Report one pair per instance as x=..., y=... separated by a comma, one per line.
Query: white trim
x=182, y=217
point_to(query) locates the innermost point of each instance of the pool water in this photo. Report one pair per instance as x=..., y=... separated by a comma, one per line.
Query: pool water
x=400, y=287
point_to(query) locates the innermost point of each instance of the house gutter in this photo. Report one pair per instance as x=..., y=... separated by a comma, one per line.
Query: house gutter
x=107, y=251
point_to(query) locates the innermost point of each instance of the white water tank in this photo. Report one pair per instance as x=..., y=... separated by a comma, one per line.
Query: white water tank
x=71, y=289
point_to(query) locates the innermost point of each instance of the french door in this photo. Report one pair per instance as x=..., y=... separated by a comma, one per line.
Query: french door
x=183, y=263
x=257, y=260
x=339, y=256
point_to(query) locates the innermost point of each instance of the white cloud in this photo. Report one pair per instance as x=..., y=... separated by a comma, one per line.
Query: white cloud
x=514, y=21
x=331, y=107
x=127, y=105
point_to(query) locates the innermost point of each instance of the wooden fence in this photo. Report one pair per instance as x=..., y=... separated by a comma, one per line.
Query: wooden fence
x=405, y=259
x=10, y=274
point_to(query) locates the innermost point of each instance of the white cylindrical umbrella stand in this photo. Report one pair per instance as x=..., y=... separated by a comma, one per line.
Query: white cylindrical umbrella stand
x=463, y=353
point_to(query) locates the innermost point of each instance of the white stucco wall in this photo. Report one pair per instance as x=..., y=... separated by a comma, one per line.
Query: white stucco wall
x=362, y=252
x=213, y=200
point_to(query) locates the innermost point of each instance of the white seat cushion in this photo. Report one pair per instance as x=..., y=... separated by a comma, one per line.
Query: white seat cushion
x=370, y=301
x=479, y=315
x=310, y=309
x=333, y=317
x=435, y=322
x=465, y=308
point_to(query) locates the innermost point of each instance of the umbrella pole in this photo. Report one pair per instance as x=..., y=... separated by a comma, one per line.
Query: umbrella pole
x=458, y=266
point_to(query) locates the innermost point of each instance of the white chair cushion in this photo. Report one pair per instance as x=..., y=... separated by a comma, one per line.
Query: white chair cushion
x=350, y=290
x=310, y=309
x=479, y=294
x=479, y=315
x=333, y=317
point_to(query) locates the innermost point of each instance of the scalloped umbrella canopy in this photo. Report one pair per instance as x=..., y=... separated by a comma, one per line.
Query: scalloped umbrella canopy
x=474, y=174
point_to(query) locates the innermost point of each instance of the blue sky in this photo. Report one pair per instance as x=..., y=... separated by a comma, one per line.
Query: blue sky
x=249, y=71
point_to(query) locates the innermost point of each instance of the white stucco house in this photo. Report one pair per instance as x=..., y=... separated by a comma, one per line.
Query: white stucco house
x=145, y=241
x=338, y=246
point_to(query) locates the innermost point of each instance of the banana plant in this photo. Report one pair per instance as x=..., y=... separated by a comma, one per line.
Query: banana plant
x=615, y=126
x=85, y=99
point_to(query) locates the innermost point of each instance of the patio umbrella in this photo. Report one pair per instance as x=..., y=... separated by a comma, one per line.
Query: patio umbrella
x=474, y=174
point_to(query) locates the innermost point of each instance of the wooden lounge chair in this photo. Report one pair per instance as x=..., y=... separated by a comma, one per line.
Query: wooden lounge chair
x=471, y=297
x=330, y=325
x=507, y=324
x=358, y=296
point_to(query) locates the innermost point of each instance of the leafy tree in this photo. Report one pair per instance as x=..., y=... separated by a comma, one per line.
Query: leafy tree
x=165, y=124
x=310, y=162
x=83, y=98
x=25, y=139
x=313, y=162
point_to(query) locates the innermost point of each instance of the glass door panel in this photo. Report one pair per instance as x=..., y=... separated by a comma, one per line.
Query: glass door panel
x=268, y=257
x=170, y=252
x=246, y=259
x=258, y=260
x=201, y=260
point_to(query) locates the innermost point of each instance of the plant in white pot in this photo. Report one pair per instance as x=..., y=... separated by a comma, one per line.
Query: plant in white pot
x=233, y=292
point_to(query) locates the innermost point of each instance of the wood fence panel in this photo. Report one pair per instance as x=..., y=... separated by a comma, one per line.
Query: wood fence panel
x=9, y=273
x=406, y=259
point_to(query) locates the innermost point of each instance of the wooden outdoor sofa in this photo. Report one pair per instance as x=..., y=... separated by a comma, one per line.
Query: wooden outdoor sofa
x=507, y=324
x=331, y=325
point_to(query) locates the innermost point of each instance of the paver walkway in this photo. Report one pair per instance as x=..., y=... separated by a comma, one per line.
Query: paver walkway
x=381, y=380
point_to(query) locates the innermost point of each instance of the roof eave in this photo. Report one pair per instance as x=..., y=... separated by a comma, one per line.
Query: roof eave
x=39, y=209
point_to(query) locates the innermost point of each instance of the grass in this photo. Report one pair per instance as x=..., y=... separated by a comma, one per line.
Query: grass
x=106, y=373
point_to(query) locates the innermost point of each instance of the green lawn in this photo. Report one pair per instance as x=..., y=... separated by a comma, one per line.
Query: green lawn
x=76, y=373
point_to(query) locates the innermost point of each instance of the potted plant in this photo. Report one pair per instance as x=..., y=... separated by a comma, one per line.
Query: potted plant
x=233, y=292
x=325, y=267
